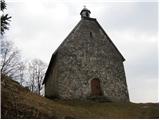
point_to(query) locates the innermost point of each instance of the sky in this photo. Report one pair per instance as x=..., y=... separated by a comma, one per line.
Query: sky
x=38, y=28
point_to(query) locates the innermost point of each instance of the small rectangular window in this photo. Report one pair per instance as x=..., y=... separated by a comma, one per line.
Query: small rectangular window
x=91, y=34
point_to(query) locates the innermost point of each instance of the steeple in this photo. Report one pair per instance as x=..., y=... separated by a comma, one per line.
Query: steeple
x=85, y=13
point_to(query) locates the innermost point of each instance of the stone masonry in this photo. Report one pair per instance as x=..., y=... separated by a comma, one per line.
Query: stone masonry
x=87, y=55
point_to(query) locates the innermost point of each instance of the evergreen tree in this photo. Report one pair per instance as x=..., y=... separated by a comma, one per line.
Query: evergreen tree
x=5, y=18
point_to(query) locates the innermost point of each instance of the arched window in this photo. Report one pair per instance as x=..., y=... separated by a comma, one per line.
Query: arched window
x=96, y=87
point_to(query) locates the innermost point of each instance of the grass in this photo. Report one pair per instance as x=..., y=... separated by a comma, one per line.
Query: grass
x=18, y=102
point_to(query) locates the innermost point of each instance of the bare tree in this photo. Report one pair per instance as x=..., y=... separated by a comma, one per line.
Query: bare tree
x=22, y=69
x=31, y=72
x=37, y=69
x=13, y=67
x=10, y=59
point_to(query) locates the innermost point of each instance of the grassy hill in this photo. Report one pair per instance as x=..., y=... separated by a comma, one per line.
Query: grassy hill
x=18, y=102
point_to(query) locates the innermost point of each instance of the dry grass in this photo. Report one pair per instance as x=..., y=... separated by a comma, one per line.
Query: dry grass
x=18, y=102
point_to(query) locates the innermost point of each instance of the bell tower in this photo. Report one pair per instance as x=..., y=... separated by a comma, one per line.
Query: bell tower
x=85, y=13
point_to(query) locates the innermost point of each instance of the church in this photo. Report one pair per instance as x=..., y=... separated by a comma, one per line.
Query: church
x=86, y=65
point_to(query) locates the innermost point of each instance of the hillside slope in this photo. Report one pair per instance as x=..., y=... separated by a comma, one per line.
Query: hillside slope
x=18, y=102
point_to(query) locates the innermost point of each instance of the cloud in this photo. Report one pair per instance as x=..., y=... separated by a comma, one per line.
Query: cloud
x=142, y=17
x=141, y=66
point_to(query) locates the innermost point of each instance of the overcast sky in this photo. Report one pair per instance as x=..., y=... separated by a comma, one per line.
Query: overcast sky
x=38, y=28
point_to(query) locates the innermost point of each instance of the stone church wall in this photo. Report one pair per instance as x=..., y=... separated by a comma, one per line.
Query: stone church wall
x=87, y=54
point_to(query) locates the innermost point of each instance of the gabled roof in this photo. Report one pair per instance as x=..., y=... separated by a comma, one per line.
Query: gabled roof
x=53, y=58
x=110, y=40
x=52, y=61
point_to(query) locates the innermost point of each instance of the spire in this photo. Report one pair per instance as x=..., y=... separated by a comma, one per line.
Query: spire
x=85, y=13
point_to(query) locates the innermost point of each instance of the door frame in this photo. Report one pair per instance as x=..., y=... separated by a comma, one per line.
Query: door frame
x=100, y=88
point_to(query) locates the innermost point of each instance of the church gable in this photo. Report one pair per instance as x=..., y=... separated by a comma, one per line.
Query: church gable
x=87, y=37
x=86, y=64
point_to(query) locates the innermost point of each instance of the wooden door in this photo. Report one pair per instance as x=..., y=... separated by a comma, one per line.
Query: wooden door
x=95, y=87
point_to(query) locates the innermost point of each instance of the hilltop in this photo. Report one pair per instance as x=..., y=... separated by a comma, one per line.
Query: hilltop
x=19, y=102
